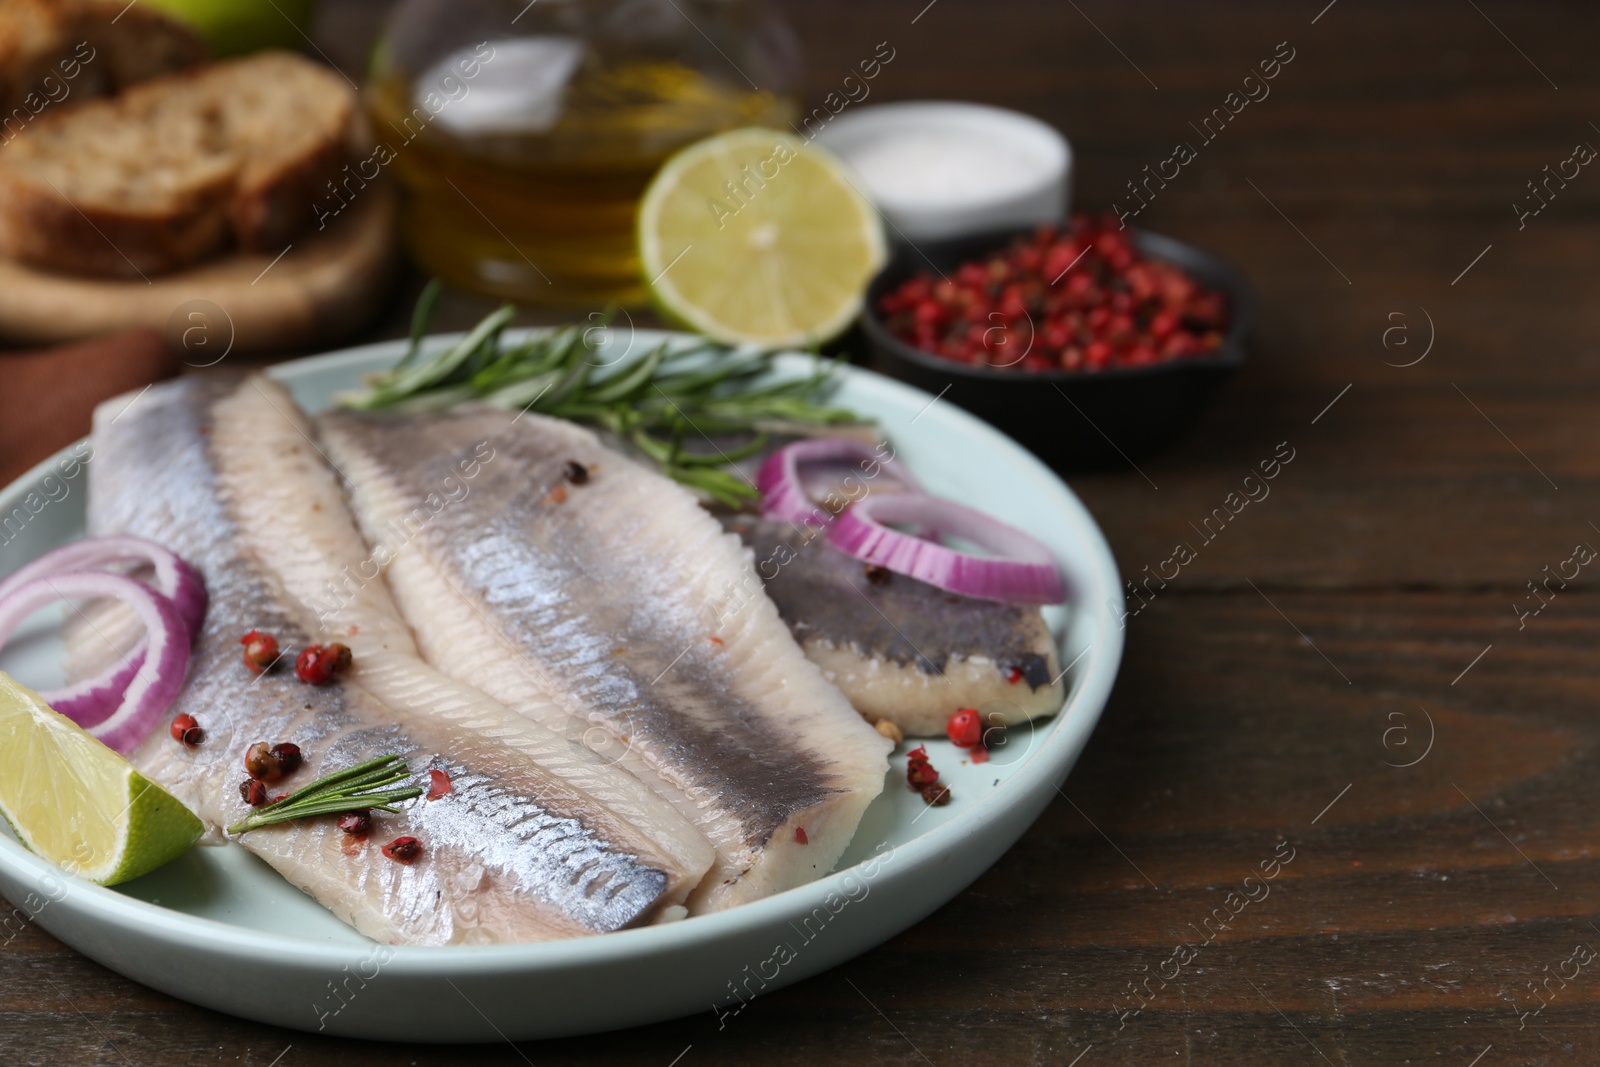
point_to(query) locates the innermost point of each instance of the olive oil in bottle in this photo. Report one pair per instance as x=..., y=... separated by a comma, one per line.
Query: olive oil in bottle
x=525, y=166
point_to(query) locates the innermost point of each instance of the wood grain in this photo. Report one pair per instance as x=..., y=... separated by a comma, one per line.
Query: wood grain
x=1261, y=691
x=316, y=291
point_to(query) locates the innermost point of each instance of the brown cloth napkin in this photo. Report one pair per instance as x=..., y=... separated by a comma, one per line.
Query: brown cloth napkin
x=47, y=396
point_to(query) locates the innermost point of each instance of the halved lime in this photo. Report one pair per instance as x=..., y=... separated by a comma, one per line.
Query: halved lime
x=757, y=236
x=77, y=803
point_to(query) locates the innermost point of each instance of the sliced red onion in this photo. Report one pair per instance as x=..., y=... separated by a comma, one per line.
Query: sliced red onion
x=1022, y=572
x=166, y=656
x=784, y=485
x=92, y=700
x=174, y=579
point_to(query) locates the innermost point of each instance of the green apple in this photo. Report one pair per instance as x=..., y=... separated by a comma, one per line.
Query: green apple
x=236, y=26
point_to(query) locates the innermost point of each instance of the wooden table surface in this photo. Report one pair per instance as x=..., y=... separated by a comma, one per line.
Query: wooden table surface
x=1344, y=668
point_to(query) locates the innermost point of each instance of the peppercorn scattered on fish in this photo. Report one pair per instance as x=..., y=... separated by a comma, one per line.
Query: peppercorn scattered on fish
x=613, y=606
x=537, y=838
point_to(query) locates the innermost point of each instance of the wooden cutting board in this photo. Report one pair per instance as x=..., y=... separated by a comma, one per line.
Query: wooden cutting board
x=326, y=285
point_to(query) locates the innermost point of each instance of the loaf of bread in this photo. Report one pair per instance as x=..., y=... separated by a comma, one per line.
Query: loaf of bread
x=52, y=51
x=177, y=168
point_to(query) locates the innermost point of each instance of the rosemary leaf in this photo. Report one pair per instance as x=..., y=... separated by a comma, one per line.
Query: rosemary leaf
x=655, y=399
x=421, y=316
x=352, y=789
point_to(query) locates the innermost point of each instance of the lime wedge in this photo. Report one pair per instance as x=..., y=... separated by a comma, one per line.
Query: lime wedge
x=757, y=236
x=77, y=803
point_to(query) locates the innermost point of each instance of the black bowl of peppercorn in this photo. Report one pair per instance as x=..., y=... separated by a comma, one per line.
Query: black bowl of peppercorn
x=1092, y=345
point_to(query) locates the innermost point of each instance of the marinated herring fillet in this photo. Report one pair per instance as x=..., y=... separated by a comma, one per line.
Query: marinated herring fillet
x=901, y=649
x=307, y=538
x=513, y=853
x=597, y=597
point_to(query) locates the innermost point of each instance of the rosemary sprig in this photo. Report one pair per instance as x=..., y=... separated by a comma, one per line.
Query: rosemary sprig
x=655, y=400
x=352, y=789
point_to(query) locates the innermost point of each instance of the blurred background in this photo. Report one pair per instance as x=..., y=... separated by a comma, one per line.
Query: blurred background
x=520, y=180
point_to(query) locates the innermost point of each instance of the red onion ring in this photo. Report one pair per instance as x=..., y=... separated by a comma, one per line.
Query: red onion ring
x=1023, y=573
x=174, y=579
x=166, y=657
x=91, y=700
x=783, y=485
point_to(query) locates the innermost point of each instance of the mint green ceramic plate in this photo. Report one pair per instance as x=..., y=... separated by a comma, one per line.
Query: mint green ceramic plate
x=220, y=928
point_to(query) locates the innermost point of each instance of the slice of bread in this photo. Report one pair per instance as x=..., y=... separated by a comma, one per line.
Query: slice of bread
x=55, y=50
x=172, y=170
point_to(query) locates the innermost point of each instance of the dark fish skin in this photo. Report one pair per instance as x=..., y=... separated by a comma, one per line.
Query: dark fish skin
x=509, y=855
x=969, y=652
x=596, y=605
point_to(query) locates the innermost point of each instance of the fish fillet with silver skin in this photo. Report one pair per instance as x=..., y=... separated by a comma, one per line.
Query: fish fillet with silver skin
x=599, y=603
x=901, y=649
x=515, y=852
